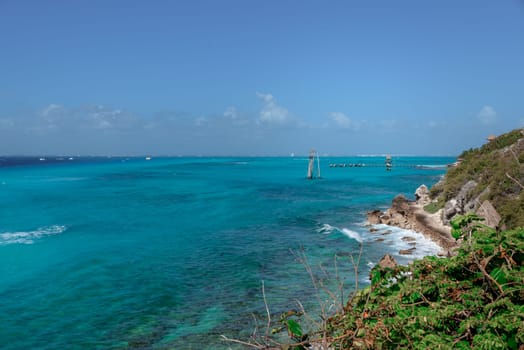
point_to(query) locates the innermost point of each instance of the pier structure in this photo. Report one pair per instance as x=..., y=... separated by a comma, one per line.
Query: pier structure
x=381, y=165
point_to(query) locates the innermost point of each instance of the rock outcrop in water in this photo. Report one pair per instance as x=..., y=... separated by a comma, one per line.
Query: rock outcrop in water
x=387, y=261
x=410, y=215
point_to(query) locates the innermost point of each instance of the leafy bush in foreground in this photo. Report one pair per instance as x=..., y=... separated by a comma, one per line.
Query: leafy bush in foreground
x=472, y=300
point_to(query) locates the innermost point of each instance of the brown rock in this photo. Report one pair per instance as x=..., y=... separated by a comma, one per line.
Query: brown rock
x=387, y=261
x=400, y=204
x=374, y=217
x=379, y=240
x=422, y=195
x=488, y=212
x=407, y=251
x=409, y=239
x=373, y=230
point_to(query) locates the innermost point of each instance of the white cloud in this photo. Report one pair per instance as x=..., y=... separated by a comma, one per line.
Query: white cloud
x=342, y=121
x=487, y=115
x=200, y=121
x=56, y=118
x=231, y=112
x=272, y=112
x=235, y=117
x=50, y=109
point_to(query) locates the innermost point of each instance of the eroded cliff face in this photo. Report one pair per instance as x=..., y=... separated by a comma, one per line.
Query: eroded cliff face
x=487, y=181
x=461, y=204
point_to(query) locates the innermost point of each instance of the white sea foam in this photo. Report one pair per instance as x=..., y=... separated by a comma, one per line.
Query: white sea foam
x=352, y=234
x=393, y=237
x=29, y=237
x=328, y=229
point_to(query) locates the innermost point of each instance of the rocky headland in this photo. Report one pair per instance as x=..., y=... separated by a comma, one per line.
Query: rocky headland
x=487, y=181
x=410, y=215
x=474, y=298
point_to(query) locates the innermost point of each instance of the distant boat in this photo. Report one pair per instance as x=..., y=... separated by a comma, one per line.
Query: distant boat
x=42, y=159
x=148, y=158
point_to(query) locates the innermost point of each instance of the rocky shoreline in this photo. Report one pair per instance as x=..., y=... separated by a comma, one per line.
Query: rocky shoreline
x=411, y=215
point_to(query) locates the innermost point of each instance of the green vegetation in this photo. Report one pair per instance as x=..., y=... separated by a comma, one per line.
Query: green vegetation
x=433, y=207
x=498, y=168
x=472, y=300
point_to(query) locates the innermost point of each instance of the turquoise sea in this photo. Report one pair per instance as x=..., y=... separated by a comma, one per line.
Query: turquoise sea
x=170, y=253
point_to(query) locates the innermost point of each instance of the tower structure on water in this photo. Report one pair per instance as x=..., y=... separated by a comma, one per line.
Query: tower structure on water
x=311, y=165
x=389, y=162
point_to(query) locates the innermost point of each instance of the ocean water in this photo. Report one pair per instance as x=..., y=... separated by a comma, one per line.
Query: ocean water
x=170, y=253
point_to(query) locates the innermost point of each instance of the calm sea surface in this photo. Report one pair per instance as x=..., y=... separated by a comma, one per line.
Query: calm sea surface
x=170, y=253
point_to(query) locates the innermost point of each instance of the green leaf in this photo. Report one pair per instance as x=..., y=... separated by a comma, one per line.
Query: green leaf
x=294, y=328
x=375, y=276
x=456, y=233
x=499, y=275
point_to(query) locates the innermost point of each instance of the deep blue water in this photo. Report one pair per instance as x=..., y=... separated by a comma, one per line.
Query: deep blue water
x=123, y=253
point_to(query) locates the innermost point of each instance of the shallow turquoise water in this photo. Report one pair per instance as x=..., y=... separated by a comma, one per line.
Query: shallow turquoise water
x=170, y=253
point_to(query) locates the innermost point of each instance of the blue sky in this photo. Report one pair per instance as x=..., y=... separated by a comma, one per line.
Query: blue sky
x=258, y=77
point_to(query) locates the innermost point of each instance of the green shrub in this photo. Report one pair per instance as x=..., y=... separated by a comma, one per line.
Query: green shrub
x=491, y=166
x=433, y=207
x=472, y=300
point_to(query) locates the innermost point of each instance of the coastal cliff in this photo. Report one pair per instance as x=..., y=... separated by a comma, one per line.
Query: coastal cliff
x=475, y=297
x=487, y=181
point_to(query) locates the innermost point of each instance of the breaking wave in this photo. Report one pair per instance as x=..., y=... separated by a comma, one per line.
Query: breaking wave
x=352, y=234
x=29, y=237
x=328, y=229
